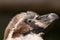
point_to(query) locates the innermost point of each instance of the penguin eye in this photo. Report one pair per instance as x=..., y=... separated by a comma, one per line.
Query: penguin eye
x=29, y=21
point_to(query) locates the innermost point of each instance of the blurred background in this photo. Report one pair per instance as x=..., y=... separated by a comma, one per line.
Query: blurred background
x=9, y=8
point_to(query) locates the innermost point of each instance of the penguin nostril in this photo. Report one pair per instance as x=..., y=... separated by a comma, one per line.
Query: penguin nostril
x=38, y=18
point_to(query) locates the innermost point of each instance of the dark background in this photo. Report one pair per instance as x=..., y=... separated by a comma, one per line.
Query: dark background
x=8, y=9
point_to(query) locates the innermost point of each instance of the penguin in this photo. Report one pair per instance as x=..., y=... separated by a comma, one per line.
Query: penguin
x=28, y=26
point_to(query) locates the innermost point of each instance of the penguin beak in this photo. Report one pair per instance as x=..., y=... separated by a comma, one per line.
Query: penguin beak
x=45, y=20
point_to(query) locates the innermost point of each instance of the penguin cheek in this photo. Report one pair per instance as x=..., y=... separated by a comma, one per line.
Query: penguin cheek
x=39, y=24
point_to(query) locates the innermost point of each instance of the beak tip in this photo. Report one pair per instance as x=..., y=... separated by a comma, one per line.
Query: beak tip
x=55, y=16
